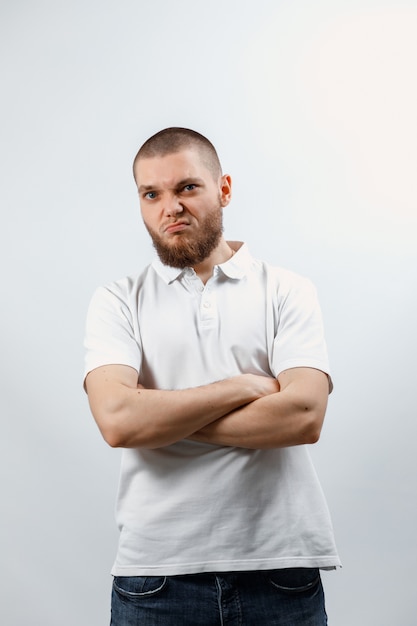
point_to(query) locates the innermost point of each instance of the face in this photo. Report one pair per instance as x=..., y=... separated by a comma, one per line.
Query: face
x=182, y=206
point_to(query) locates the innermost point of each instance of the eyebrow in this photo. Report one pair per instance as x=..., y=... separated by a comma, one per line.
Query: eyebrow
x=181, y=183
x=190, y=181
x=143, y=188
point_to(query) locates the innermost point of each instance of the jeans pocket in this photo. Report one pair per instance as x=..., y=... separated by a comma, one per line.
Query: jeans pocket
x=295, y=581
x=138, y=586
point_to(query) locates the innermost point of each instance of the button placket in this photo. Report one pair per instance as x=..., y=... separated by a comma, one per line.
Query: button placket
x=208, y=307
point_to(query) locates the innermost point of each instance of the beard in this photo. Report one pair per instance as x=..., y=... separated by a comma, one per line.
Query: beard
x=188, y=250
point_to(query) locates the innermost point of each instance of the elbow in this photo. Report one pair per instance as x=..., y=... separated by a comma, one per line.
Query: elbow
x=313, y=436
x=312, y=425
x=117, y=438
x=112, y=435
x=119, y=434
x=109, y=417
x=110, y=424
x=113, y=440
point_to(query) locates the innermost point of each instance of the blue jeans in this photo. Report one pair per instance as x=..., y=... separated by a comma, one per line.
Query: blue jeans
x=287, y=597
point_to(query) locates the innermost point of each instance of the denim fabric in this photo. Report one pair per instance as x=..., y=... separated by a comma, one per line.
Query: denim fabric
x=287, y=597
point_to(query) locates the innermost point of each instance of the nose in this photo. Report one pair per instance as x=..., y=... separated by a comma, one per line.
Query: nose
x=172, y=205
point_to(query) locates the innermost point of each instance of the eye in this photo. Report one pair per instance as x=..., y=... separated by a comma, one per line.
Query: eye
x=150, y=195
x=190, y=187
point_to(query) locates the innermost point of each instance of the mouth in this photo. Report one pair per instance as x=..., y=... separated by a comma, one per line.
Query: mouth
x=176, y=227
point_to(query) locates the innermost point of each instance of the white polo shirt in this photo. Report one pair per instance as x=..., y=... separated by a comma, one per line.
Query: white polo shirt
x=192, y=507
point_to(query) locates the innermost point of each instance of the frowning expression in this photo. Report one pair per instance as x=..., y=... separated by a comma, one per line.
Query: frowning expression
x=181, y=202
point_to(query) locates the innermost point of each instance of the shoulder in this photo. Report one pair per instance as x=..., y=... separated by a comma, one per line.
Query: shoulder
x=280, y=282
x=123, y=288
x=277, y=273
x=284, y=281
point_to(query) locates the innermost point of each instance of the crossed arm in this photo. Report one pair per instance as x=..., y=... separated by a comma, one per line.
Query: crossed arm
x=247, y=411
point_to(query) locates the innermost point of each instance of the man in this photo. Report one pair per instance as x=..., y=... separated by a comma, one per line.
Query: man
x=210, y=369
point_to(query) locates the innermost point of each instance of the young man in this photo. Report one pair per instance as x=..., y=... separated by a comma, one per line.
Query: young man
x=210, y=369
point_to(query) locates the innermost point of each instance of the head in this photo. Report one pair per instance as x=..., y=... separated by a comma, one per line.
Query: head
x=182, y=193
x=175, y=139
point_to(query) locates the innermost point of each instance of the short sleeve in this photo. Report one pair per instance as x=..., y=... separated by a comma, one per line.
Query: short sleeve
x=110, y=336
x=299, y=337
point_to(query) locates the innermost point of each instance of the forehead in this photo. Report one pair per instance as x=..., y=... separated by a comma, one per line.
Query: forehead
x=167, y=169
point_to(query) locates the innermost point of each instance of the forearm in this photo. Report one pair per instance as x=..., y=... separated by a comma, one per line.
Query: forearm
x=274, y=421
x=153, y=418
x=136, y=417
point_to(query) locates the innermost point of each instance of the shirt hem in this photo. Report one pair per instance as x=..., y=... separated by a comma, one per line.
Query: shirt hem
x=174, y=569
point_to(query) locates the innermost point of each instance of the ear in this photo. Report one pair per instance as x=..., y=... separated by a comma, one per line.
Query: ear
x=225, y=189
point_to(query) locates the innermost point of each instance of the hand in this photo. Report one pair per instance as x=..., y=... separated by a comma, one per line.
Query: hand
x=261, y=385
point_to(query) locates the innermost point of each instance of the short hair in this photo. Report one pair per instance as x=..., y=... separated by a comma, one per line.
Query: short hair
x=175, y=139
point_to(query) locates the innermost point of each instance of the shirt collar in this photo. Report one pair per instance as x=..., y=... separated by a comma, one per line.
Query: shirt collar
x=236, y=267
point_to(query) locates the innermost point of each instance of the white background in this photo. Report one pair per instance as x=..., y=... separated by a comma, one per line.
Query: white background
x=312, y=106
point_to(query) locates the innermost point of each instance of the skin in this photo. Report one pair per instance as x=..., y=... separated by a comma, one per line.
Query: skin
x=177, y=192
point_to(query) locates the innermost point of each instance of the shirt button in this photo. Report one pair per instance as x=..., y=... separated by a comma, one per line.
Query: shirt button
x=206, y=305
